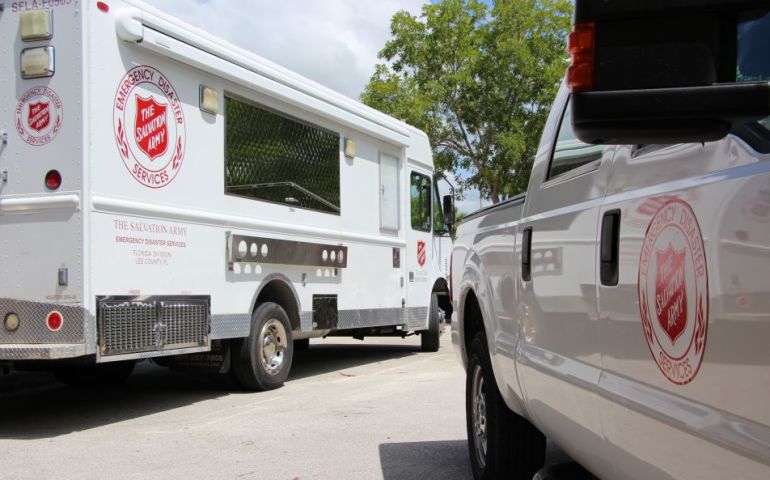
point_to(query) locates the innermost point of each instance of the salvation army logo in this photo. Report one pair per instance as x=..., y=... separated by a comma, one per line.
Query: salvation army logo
x=39, y=115
x=673, y=291
x=421, y=253
x=149, y=126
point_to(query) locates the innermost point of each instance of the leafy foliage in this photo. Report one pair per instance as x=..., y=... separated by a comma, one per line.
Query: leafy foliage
x=479, y=80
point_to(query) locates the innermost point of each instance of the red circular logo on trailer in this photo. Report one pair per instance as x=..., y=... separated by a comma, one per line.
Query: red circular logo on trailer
x=39, y=115
x=673, y=291
x=149, y=126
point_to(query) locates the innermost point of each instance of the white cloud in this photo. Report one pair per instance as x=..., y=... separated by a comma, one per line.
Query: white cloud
x=334, y=42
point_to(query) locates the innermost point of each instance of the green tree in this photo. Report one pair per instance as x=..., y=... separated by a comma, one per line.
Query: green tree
x=479, y=80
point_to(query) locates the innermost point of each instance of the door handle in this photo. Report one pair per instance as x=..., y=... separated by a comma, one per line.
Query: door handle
x=526, y=255
x=609, y=249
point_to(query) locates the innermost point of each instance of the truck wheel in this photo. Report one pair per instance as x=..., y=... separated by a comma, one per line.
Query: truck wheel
x=110, y=374
x=263, y=359
x=429, y=339
x=501, y=443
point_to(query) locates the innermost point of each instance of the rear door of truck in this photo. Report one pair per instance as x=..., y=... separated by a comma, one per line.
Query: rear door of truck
x=41, y=123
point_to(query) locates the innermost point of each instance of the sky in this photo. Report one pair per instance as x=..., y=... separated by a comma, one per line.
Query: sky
x=334, y=42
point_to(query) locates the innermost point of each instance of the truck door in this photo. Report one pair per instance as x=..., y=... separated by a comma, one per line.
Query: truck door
x=559, y=360
x=419, y=238
x=685, y=323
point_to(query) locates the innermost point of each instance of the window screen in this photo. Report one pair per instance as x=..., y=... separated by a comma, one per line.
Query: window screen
x=420, y=194
x=277, y=159
x=569, y=152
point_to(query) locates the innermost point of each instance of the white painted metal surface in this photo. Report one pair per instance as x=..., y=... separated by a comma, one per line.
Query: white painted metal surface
x=633, y=389
x=158, y=225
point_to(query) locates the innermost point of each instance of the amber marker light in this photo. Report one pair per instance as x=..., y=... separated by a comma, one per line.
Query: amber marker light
x=36, y=24
x=11, y=322
x=581, y=45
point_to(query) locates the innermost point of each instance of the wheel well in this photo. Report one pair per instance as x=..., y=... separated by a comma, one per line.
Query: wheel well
x=279, y=292
x=473, y=322
x=442, y=288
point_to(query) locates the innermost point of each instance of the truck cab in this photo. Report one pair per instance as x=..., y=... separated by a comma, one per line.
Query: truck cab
x=618, y=308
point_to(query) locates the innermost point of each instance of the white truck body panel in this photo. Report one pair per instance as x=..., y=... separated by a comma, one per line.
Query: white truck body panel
x=123, y=228
x=624, y=392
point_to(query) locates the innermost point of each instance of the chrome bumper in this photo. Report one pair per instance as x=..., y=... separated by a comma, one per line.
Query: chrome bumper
x=41, y=352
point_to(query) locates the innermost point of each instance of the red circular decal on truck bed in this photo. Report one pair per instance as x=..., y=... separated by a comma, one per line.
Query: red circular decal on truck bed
x=149, y=126
x=39, y=115
x=673, y=291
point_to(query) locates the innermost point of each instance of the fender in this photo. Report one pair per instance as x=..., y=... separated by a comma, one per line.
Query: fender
x=476, y=280
x=284, y=279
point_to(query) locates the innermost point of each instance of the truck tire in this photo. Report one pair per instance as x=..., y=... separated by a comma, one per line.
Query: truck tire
x=501, y=443
x=430, y=338
x=262, y=360
x=110, y=374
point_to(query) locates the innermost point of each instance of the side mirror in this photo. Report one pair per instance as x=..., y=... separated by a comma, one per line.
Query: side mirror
x=447, y=204
x=668, y=71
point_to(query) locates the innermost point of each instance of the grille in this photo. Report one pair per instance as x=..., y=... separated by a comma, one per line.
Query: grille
x=152, y=324
x=277, y=159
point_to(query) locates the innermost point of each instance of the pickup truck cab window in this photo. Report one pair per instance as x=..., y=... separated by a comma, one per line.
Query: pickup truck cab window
x=753, y=38
x=420, y=199
x=570, y=153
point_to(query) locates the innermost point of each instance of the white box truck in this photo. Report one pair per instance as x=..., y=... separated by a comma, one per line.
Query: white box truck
x=163, y=192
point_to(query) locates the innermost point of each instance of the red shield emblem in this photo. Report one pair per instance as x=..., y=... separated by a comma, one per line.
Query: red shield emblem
x=39, y=115
x=421, y=253
x=671, y=292
x=151, y=128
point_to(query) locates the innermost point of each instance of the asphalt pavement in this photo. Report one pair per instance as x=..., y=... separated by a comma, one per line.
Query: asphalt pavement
x=377, y=409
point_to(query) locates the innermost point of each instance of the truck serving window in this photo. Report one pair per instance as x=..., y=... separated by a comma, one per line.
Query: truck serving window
x=570, y=153
x=420, y=193
x=274, y=158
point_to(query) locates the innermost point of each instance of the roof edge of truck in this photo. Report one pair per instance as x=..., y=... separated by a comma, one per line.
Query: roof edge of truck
x=197, y=38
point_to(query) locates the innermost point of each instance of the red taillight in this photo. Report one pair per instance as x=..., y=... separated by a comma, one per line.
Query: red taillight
x=103, y=7
x=54, y=321
x=581, y=42
x=53, y=179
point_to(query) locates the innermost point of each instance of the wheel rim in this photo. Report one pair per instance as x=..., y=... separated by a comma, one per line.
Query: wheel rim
x=479, y=416
x=272, y=346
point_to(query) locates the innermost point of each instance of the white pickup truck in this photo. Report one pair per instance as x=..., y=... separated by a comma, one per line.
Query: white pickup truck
x=621, y=308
